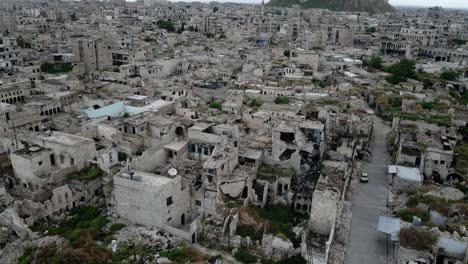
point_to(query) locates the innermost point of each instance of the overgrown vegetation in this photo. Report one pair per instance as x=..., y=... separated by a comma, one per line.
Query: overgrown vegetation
x=53, y=68
x=417, y=239
x=371, y=30
x=433, y=105
x=459, y=41
x=27, y=257
x=244, y=256
x=282, y=100
x=216, y=105
x=281, y=220
x=83, y=229
x=167, y=25
x=408, y=213
x=22, y=43
x=450, y=75
x=116, y=227
x=401, y=71
x=183, y=254
x=253, y=103
x=433, y=202
x=148, y=39
x=374, y=62
x=251, y=231
x=86, y=174
x=462, y=158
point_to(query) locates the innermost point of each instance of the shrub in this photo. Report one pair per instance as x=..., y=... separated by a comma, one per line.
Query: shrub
x=87, y=174
x=287, y=53
x=125, y=115
x=216, y=105
x=232, y=204
x=253, y=103
x=183, y=254
x=282, y=100
x=250, y=231
x=450, y=75
x=408, y=213
x=375, y=62
x=417, y=239
x=116, y=227
x=56, y=67
x=244, y=256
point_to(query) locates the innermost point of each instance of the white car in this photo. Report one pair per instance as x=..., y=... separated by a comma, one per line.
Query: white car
x=364, y=178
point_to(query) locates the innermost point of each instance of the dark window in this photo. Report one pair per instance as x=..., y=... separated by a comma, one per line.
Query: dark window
x=197, y=202
x=169, y=201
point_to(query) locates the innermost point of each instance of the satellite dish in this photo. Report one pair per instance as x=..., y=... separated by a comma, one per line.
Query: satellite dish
x=172, y=172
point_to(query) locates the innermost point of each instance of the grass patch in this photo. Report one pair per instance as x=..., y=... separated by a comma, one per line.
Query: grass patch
x=417, y=239
x=86, y=174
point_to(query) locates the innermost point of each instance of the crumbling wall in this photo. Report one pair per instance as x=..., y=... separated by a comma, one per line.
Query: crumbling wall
x=151, y=158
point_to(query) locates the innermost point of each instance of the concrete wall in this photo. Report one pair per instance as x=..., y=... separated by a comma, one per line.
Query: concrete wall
x=324, y=211
x=146, y=203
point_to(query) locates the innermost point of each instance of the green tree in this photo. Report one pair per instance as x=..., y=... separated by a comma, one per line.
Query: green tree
x=371, y=30
x=167, y=25
x=215, y=9
x=401, y=71
x=282, y=100
x=287, y=53
x=375, y=62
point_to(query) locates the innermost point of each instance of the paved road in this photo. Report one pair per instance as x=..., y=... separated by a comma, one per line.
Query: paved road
x=366, y=245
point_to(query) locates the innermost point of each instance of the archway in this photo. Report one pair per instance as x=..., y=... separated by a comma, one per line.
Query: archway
x=179, y=131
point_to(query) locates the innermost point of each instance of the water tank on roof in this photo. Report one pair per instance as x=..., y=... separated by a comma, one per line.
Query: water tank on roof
x=172, y=172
